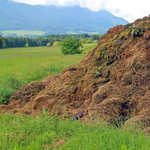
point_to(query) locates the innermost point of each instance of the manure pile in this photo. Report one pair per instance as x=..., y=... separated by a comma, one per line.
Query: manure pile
x=112, y=81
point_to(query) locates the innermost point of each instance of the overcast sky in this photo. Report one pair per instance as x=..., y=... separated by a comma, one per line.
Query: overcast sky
x=127, y=9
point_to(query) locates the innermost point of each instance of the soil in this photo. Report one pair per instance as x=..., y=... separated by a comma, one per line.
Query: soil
x=112, y=81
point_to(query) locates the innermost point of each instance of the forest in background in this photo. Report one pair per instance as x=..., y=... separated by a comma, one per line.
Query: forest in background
x=49, y=40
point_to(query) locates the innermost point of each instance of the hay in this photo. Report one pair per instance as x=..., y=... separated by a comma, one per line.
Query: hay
x=112, y=81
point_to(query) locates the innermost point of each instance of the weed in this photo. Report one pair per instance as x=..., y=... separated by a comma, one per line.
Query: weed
x=98, y=72
x=5, y=94
x=115, y=36
x=138, y=32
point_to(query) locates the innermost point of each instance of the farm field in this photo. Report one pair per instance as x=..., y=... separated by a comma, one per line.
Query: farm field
x=20, y=66
x=23, y=32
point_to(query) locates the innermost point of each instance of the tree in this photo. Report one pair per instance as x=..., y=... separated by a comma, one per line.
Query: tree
x=56, y=43
x=1, y=41
x=48, y=44
x=26, y=45
x=71, y=46
x=95, y=37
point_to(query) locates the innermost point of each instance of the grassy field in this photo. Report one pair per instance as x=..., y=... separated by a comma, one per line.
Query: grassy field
x=20, y=66
x=46, y=133
x=23, y=32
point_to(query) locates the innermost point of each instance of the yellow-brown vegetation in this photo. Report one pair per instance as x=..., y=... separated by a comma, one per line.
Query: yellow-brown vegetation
x=112, y=81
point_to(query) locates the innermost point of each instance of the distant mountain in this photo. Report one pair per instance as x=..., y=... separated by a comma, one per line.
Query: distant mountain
x=55, y=20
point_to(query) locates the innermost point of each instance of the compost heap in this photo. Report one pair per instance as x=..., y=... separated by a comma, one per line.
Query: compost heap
x=112, y=81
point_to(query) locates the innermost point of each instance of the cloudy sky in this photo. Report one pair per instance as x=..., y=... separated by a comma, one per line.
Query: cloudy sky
x=128, y=9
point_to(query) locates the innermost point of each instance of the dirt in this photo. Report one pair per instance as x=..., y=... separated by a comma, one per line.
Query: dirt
x=112, y=81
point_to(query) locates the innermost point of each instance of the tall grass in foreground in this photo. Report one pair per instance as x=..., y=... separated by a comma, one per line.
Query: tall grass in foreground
x=45, y=133
x=20, y=66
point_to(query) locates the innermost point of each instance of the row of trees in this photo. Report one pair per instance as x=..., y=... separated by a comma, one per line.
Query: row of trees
x=22, y=41
x=1, y=41
x=8, y=42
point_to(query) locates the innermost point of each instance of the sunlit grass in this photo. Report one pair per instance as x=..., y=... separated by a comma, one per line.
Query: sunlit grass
x=45, y=133
x=20, y=60
x=20, y=66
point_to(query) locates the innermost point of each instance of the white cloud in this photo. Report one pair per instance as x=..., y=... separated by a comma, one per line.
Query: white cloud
x=128, y=9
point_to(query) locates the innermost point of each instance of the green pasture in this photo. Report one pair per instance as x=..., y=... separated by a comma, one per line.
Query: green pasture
x=50, y=133
x=20, y=66
x=23, y=32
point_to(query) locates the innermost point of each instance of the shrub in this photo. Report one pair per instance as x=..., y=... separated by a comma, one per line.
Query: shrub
x=71, y=46
x=48, y=44
x=56, y=43
x=27, y=45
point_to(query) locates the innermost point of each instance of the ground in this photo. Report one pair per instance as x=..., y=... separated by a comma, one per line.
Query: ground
x=112, y=81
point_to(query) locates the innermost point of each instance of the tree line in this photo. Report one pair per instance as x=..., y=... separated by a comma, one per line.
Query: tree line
x=9, y=42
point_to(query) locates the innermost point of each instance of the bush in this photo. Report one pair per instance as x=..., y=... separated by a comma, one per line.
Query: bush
x=56, y=43
x=71, y=46
x=48, y=44
x=27, y=45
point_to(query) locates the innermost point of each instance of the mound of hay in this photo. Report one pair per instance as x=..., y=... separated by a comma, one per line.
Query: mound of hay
x=112, y=81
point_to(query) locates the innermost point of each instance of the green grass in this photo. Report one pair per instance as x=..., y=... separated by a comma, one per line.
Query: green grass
x=20, y=66
x=45, y=133
x=23, y=32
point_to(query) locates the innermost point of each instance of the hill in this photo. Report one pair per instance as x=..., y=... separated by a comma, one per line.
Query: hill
x=54, y=20
x=112, y=81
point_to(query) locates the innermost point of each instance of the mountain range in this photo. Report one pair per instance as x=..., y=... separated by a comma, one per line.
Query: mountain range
x=55, y=20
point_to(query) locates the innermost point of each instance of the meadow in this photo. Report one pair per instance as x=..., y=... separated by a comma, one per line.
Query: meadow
x=45, y=133
x=20, y=66
x=23, y=32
